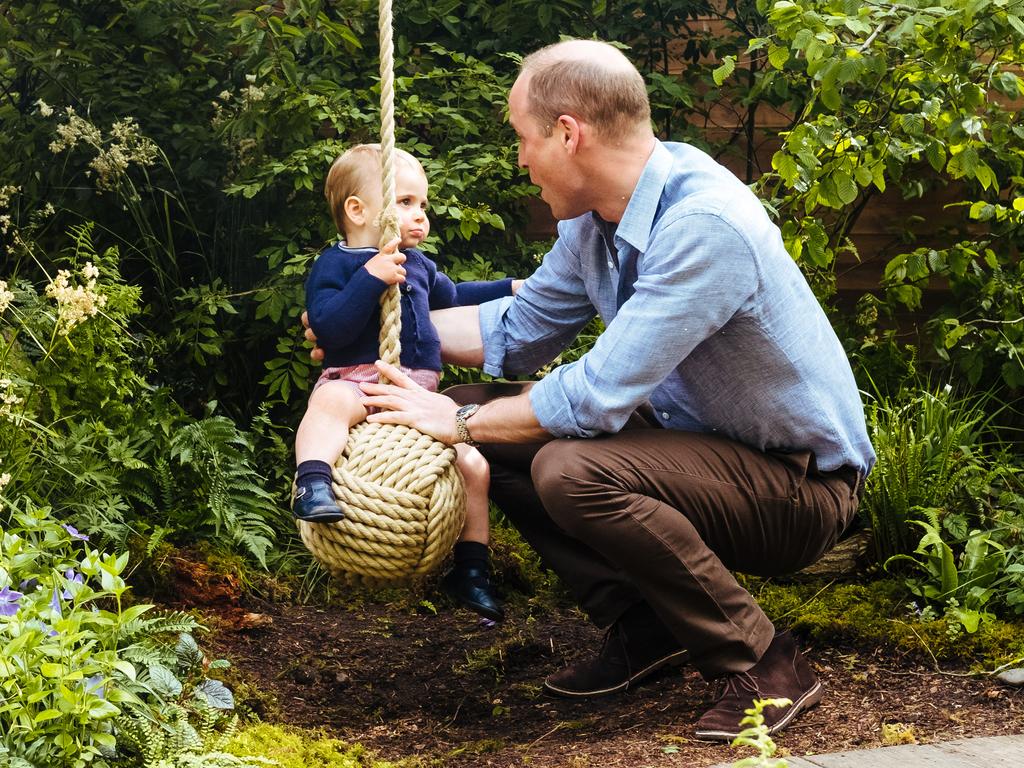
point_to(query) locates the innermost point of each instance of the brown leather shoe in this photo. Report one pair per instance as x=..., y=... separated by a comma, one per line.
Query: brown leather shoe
x=782, y=673
x=634, y=646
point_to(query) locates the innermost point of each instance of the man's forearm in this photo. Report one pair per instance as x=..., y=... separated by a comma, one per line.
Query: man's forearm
x=507, y=420
x=459, y=329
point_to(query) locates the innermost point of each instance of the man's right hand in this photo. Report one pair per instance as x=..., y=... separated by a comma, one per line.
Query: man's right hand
x=316, y=354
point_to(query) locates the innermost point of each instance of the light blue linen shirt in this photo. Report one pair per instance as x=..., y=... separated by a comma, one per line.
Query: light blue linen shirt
x=707, y=318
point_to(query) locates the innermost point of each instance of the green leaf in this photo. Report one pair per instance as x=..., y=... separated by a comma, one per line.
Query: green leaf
x=164, y=682
x=216, y=694
x=985, y=176
x=778, y=55
x=845, y=187
x=912, y=123
x=719, y=74
x=787, y=167
x=952, y=337
x=188, y=653
x=935, y=153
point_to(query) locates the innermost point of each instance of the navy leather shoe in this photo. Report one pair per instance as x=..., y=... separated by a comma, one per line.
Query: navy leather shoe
x=472, y=588
x=314, y=502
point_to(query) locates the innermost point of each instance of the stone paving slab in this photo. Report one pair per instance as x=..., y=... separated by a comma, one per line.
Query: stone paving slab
x=987, y=752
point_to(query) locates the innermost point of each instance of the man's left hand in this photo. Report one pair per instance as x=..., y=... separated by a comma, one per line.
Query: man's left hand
x=405, y=402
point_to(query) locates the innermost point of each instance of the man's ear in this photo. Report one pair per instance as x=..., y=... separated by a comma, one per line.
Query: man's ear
x=570, y=132
x=355, y=210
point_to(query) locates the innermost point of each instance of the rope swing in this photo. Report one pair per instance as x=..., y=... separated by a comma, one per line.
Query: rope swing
x=403, y=496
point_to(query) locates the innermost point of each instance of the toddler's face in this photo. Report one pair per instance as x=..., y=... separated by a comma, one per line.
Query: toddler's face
x=411, y=199
x=410, y=202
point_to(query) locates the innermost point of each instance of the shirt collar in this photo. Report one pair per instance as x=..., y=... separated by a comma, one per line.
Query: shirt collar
x=638, y=218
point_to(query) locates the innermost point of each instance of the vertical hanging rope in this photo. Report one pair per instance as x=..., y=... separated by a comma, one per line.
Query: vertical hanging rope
x=390, y=301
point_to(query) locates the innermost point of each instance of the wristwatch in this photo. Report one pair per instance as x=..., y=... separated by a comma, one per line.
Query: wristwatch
x=461, y=429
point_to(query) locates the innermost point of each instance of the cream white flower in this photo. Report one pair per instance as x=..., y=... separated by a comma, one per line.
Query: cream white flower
x=76, y=130
x=252, y=94
x=5, y=478
x=6, y=297
x=8, y=397
x=7, y=191
x=74, y=303
x=114, y=154
x=44, y=109
x=90, y=271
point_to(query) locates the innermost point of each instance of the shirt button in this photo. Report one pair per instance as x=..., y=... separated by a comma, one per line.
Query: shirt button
x=665, y=415
x=610, y=265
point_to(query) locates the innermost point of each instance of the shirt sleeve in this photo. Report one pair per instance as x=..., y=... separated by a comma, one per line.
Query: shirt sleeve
x=697, y=272
x=442, y=289
x=481, y=291
x=340, y=308
x=522, y=333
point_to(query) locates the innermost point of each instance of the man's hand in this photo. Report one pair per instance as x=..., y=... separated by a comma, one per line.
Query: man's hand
x=387, y=264
x=409, y=404
x=316, y=354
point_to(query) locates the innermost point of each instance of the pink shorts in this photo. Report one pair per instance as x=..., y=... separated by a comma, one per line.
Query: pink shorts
x=355, y=374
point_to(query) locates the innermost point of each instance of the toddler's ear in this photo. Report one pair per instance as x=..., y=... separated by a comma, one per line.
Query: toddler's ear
x=355, y=210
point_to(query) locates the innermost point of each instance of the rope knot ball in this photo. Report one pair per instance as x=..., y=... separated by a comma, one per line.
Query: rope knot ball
x=404, y=506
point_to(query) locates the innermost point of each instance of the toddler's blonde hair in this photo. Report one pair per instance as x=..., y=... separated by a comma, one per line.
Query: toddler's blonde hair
x=357, y=171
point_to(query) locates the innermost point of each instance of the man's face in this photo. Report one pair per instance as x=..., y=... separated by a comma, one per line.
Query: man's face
x=547, y=158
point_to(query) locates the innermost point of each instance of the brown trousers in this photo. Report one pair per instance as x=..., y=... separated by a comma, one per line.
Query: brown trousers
x=663, y=517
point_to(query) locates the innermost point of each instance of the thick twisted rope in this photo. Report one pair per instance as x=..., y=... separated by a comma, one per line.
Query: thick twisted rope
x=403, y=496
x=390, y=302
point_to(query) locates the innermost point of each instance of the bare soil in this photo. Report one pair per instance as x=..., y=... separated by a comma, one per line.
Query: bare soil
x=445, y=688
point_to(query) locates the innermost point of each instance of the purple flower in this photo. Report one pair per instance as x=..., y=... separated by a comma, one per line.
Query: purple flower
x=73, y=577
x=94, y=685
x=9, y=601
x=75, y=534
x=55, y=602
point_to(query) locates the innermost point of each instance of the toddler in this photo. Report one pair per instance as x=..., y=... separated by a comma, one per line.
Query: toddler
x=342, y=298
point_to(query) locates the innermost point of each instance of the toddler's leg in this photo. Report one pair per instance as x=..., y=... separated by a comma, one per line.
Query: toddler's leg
x=333, y=408
x=469, y=581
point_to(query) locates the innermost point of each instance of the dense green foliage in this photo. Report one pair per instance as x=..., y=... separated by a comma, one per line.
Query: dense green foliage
x=89, y=679
x=912, y=100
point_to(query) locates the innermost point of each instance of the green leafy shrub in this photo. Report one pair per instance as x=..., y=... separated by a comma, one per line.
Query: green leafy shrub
x=60, y=642
x=910, y=99
x=944, y=503
x=931, y=458
x=88, y=679
x=84, y=431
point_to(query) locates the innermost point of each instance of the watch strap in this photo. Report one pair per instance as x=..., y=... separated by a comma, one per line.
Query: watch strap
x=461, y=428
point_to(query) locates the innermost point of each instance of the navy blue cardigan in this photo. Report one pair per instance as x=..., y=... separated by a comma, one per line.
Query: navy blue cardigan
x=342, y=299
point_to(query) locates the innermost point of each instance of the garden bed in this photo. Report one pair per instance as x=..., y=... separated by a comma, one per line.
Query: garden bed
x=441, y=687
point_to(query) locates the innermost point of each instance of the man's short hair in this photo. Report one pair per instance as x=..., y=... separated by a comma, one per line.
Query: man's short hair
x=610, y=96
x=357, y=171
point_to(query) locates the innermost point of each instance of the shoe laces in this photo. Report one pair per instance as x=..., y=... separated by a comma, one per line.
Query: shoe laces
x=734, y=685
x=616, y=633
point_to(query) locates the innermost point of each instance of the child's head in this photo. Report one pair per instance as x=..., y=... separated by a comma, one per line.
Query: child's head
x=353, y=192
